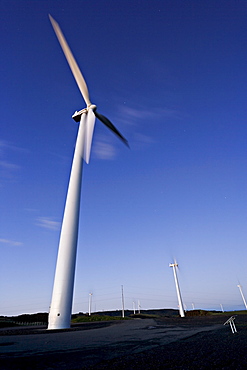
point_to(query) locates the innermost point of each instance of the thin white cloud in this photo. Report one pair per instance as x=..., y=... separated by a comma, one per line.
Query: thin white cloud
x=153, y=112
x=133, y=116
x=3, y=145
x=6, y=145
x=135, y=113
x=137, y=116
x=47, y=223
x=11, y=243
x=145, y=139
x=9, y=166
x=104, y=150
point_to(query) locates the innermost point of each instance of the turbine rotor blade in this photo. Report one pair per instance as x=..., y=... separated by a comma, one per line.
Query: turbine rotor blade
x=71, y=61
x=88, y=122
x=89, y=128
x=108, y=123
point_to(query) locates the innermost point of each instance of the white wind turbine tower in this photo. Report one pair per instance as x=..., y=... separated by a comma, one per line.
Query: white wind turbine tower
x=180, y=302
x=242, y=295
x=139, y=306
x=62, y=296
x=90, y=304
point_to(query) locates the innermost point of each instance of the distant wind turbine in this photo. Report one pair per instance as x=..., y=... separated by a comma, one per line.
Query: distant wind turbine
x=180, y=303
x=90, y=304
x=242, y=295
x=134, y=307
x=122, y=301
x=139, y=306
x=62, y=296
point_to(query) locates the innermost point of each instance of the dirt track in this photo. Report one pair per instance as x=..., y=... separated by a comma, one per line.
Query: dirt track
x=171, y=343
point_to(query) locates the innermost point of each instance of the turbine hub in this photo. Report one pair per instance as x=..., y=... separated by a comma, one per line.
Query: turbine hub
x=91, y=106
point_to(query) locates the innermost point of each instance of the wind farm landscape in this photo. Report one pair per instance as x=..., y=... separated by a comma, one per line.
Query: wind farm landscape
x=141, y=245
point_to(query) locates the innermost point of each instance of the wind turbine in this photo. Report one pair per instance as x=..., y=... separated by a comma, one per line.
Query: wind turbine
x=62, y=296
x=242, y=295
x=180, y=302
x=134, y=307
x=139, y=306
x=122, y=301
x=90, y=304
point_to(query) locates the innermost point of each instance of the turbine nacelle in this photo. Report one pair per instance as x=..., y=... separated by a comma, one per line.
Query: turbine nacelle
x=173, y=264
x=77, y=115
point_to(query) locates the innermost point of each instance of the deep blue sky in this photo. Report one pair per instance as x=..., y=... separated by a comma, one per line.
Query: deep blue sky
x=172, y=77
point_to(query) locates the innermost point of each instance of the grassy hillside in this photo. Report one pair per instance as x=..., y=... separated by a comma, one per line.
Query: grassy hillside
x=41, y=318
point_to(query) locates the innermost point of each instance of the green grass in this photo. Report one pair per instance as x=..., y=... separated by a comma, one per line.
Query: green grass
x=97, y=318
x=228, y=313
x=244, y=312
